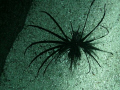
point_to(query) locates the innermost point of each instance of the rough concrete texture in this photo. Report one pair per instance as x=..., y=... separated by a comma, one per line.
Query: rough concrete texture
x=18, y=76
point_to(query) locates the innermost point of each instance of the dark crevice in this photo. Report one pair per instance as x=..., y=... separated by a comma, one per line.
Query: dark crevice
x=12, y=18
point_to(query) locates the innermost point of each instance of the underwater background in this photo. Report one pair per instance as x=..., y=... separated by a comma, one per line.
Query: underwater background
x=17, y=75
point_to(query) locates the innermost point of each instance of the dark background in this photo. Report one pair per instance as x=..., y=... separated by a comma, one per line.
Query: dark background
x=12, y=18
